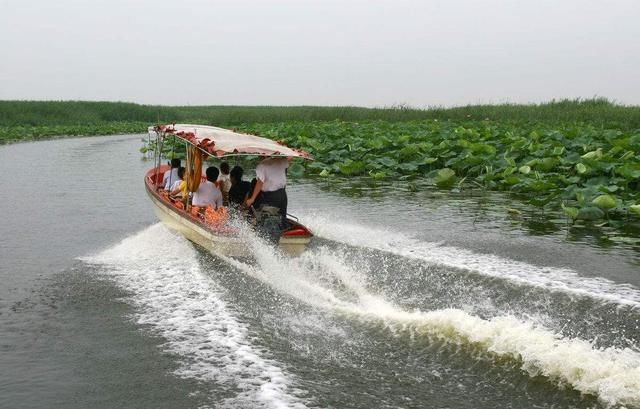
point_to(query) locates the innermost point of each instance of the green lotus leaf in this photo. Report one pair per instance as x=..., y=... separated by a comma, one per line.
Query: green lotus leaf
x=388, y=162
x=609, y=189
x=375, y=166
x=296, y=169
x=605, y=202
x=635, y=209
x=350, y=167
x=525, y=169
x=628, y=171
x=590, y=213
x=593, y=155
x=571, y=158
x=408, y=152
x=581, y=168
x=539, y=185
x=571, y=212
x=410, y=167
x=445, y=178
x=597, y=181
x=547, y=164
x=511, y=180
x=325, y=173
x=316, y=165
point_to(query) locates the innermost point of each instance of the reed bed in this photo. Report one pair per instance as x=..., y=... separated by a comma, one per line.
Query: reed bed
x=43, y=119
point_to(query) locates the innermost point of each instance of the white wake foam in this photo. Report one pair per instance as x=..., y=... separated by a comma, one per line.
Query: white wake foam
x=185, y=307
x=611, y=374
x=174, y=297
x=555, y=279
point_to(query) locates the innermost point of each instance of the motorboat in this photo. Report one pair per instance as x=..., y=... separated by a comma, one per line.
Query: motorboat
x=216, y=234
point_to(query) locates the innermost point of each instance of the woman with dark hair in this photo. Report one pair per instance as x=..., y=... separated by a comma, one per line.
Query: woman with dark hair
x=239, y=188
x=171, y=175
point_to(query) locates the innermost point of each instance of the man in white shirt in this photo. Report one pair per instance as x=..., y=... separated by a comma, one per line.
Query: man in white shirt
x=208, y=194
x=271, y=175
x=171, y=175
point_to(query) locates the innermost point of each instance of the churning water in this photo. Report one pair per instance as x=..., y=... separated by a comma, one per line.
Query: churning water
x=419, y=305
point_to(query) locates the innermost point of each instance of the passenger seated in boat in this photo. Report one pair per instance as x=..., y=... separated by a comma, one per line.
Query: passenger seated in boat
x=179, y=187
x=208, y=194
x=224, y=181
x=239, y=188
x=171, y=175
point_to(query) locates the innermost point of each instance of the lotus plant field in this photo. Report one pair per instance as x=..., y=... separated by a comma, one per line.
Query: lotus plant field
x=590, y=173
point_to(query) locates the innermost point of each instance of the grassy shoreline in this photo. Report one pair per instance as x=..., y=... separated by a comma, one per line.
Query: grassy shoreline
x=15, y=134
x=34, y=120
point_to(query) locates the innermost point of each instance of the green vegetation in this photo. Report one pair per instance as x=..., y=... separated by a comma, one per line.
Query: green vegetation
x=43, y=119
x=23, y=133
x=592, y=173
x=581, y=156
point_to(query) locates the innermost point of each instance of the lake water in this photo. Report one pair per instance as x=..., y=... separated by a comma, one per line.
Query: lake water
x=407, y=298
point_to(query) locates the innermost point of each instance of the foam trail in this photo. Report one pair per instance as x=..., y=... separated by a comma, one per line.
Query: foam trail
x=301, y=275
x=183, y=305
x=557, y=279
x=612, y=374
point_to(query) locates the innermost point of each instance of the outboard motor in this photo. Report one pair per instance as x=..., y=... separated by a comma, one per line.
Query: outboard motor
x=269, y=222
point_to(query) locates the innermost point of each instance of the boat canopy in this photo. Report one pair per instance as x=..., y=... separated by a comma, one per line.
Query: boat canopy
x=222, y=142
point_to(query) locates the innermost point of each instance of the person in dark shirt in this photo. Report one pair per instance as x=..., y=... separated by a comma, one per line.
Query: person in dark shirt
x=239, y=188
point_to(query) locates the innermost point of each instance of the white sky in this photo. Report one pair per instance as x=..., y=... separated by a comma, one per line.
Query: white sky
x=304, y=52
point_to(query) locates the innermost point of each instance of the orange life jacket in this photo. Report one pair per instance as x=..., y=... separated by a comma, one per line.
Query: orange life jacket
x=215, y=218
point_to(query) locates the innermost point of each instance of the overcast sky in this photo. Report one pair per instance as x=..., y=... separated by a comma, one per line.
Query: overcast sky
x=295, y=52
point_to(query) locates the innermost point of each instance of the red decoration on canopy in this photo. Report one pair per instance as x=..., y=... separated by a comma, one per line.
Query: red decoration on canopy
x=221, y=142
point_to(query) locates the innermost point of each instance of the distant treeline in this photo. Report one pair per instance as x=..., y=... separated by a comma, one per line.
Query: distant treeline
x=598, y=112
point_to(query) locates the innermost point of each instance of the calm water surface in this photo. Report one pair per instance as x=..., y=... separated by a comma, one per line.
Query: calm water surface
x=407, y=298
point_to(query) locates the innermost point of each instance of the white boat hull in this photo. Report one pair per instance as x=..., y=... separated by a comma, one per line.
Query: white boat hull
x=227, y=245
